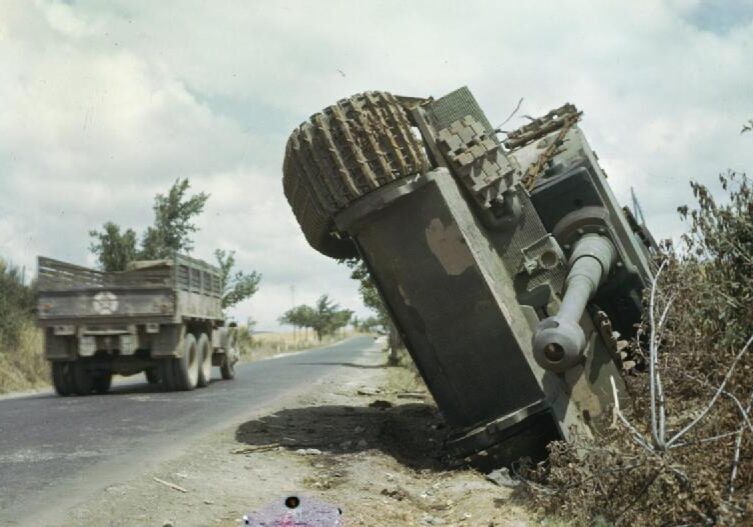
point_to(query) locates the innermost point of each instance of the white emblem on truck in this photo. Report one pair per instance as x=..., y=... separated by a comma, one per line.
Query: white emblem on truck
x=105, y=303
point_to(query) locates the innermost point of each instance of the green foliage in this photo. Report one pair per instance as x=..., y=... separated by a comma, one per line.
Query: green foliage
x=113, y=249
x=300, y=316
x=369, y=294
x=235, y=287
x=174, y=214
x=719, y=255
x=368, y=324
x=173, y=222
x=325, y=317
x=17, y=301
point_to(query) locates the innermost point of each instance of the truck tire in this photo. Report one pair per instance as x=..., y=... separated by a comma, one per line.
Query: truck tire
x=186, y=367
x=101, y=381
x=62, y=378
x=167, y=374
x=227, y=368
x=83, y=380
x=205, y=360
x=343, y=153
x=152, y=375
x=229, y=358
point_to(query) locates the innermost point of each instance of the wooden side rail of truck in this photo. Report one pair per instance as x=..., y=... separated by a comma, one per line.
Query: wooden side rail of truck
x=161, y=317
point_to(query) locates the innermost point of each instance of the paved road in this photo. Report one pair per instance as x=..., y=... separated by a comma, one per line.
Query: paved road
x=55, y=450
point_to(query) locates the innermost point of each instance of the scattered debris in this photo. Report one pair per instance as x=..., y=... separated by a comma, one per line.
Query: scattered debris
x=502, y=477
x=397, y=493
x=171, y=485
x=250, y=449
x=309, y=451
x=412, y=395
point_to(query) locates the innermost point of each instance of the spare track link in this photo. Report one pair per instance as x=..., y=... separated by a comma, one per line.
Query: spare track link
x=476, y=159
x=554, y=120
x=341, y=154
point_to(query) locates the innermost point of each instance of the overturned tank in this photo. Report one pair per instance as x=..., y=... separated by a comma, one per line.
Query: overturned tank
x=507, y=266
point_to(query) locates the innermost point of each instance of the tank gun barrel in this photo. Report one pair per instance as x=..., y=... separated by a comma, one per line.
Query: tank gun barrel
x=559, y=340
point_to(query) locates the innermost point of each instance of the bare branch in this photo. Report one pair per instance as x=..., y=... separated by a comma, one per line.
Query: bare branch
x=713, y=400
x=636, y=435
x=657, y=422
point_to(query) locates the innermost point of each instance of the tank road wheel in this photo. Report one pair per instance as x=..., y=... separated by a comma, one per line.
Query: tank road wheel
x=167, y=373
x=83, y=380
x=205, y=358
x=342, y=153
x=62, y=378
x=102, y=380
x=152, y=375
x=229, y=358
x=186, y=368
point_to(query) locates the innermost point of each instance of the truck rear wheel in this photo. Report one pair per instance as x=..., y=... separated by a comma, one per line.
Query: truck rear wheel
x=167, y=373
x=83, y=380
x=102, y=380
x=62, y=378
x=186, y=368
x=229, y=358
x=343, y=153
x=152, y=375
x=205, y=358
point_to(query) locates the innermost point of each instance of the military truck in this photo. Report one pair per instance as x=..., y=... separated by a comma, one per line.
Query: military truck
x=160, y=317
x=506, y=263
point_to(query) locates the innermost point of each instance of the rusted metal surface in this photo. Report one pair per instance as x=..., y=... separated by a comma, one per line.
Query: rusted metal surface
x=558, y=118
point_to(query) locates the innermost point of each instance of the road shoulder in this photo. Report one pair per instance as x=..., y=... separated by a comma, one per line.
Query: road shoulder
x=365, y=438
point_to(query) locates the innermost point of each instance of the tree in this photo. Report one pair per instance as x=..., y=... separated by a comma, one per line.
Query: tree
x=299, y=316
x=369, y=294
x=113, y=249
x=371, y=299
x=174, y=214
x=235, y=287
x=173, y=222
x=325, y=318
x=368, y=324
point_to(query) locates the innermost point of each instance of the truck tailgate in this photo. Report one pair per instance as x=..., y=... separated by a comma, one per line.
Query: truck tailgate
x=105, y=303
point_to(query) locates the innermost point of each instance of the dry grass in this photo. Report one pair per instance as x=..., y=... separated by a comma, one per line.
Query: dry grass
x=22, y=365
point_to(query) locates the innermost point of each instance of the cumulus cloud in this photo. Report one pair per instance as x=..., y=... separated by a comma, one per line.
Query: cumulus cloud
x=106, y=104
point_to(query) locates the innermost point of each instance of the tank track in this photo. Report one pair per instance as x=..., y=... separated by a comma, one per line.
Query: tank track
x=343, y=153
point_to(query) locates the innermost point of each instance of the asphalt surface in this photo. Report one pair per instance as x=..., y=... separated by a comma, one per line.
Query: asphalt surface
x=54, y=451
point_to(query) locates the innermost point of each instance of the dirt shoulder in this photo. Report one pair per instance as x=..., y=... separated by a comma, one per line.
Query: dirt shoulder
x=366, y=439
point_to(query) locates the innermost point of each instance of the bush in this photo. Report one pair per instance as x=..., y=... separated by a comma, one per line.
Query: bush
x=21, y=362
x=685, y=455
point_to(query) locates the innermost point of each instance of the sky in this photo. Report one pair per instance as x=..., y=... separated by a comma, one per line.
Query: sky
x=105, y=104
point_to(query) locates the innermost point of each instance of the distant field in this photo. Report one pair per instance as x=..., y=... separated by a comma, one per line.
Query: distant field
x=268, y=344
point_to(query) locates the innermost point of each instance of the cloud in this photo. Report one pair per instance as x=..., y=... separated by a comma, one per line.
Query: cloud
x=106, y=104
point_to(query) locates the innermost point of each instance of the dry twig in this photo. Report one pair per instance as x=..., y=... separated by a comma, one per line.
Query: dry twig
x=171, y=485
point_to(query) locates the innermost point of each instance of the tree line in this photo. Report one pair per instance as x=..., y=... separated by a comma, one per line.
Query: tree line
x=325, y=317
